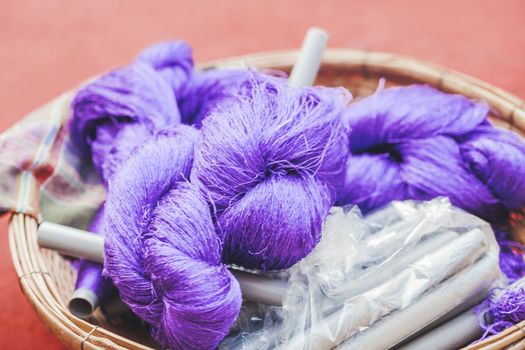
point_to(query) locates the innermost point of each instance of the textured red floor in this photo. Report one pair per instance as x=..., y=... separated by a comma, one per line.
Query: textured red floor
x=49, y=46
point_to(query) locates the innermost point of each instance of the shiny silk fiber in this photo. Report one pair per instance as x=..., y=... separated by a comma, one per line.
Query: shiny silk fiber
x=419, y=143
x=118, y=111
x=161, y=248
x=113, y=116
x=269, y=166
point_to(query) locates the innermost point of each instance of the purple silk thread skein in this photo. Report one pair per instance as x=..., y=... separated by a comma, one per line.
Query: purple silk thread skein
x=269, y=165
x=207, y=89
x=418, y=143
x=196, y=92
x=161, y=249
x=111, y=116
x=125, y=107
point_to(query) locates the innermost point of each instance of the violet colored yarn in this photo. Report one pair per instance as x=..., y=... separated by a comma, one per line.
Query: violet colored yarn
x=113, y=116
x=161, y=248
x=196, y=92
x=418, y=143
x=120, y=110
x=268, y=165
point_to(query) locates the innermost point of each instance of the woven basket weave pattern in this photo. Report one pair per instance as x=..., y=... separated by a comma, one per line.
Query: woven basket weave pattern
x=48, y=279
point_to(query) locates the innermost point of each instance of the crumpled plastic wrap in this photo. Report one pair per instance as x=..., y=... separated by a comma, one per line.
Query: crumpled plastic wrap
x=374, y=282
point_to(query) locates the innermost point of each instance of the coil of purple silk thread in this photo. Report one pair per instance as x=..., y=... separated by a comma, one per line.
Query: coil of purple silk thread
x=161, y=248
x=505, y=307
x=115, y=113
x=196, y=92
x=125, y=107
x=418, y=143
x=269, y=165
x=122, y=108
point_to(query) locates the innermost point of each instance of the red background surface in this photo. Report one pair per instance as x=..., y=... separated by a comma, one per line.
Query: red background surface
x=49, y=46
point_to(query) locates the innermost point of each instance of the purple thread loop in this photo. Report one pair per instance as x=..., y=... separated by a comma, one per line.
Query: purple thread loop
x=510, y=257
x=113, y=117
x=161, y=248
x=269, y=165
x=122, y=108
x=205, y=90
x=173, y=60
x=417, y=143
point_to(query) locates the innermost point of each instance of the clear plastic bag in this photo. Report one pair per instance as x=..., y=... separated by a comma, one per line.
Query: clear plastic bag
x=376, y=281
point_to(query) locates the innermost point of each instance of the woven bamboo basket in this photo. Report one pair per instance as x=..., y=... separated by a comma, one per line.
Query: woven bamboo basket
x=47, y=279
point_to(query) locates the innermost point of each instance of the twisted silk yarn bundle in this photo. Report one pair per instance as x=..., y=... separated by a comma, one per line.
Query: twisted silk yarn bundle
x=161, y=248
x=115, y=113
x=205, y=90
x=125, y=107
x=165, y=263
x=269, y=165
x=418, y=143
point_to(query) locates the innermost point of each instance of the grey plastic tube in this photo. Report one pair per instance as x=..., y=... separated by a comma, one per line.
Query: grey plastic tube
x=361, y=311
x=82, y=244
x=83, y=302
x=391, y=267
x=71, y=241
x=451, y=335
x=468, y=285
x=457, y=332
x=307, y=64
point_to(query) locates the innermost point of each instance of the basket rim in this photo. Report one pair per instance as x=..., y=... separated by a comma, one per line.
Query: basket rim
x=40, y=288
x=379, y=63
